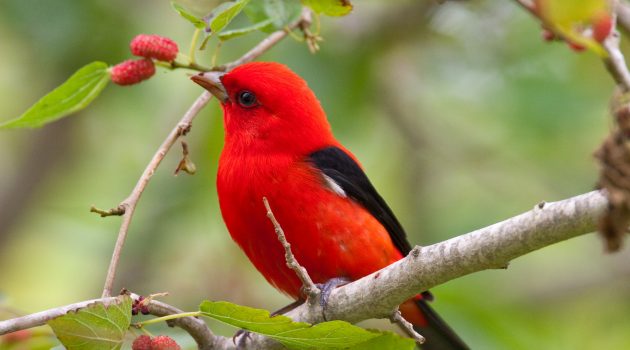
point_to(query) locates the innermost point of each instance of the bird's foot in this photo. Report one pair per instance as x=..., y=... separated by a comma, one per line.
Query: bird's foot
x=240, y=339
x=327, y=288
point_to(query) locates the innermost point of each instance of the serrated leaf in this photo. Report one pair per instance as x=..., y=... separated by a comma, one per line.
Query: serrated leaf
x=97, y=326
x=196, y=21
x=280, y=12
x=293, y=335
x=231, y=34
x=221, y=16
x=330, y=7
x=73, y=95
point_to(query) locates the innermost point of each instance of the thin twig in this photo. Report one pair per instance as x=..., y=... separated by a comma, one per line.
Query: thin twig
x=615, y=62
x=129, y=204
x=118, y=211
x=310, y=289
x=40, y=318
x=407, y=327
x=527, y=5
x=623, y=16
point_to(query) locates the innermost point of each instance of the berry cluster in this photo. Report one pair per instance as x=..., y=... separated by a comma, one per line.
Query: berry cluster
x=149, y=47
x=162, y=342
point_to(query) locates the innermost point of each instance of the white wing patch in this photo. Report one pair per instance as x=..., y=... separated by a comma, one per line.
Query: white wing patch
x=333, y=186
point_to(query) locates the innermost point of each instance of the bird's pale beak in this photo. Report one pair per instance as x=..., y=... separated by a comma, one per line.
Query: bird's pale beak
x=211, y=81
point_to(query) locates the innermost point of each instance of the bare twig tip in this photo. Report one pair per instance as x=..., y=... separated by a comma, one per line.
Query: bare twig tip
x=118, y=211
x=308, y=286
x=407, y=327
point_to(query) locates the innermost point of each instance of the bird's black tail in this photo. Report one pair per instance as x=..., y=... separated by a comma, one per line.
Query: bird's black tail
x=438, y=334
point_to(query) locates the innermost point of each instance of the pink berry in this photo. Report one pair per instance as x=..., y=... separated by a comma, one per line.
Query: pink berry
x=164, y=342
x=15, y=337
x=154, y=46
x=143, y=342
x=132, y=71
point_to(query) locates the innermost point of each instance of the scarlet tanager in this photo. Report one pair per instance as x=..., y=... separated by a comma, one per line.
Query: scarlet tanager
x=279, y=145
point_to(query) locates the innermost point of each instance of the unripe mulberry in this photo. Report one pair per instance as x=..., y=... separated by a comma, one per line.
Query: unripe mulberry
x=143, y=342
x=154, y=46
x=164, y=342
x=132, y=71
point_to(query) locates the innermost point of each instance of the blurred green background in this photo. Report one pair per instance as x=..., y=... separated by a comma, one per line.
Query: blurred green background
x=460, y=113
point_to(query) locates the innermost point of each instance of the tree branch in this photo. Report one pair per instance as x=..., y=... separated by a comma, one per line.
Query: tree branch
x=615, y=62
x=493, y=247
x=623, y=16
x=376, y=295
x=40, y=318
x=197, y=328
x=128, y=206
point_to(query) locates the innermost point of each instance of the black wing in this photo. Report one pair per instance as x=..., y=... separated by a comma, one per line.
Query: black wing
x=345, y=172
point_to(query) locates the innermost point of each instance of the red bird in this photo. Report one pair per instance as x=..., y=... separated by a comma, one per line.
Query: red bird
x=279, y=145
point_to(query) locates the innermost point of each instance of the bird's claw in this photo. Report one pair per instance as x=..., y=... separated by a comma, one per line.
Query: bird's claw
x=240, y=338
x=327, y=288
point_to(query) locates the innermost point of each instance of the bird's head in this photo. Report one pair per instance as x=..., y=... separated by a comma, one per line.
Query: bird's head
x=269, y=108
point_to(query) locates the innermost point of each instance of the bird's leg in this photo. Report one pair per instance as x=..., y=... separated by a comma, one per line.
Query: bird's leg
x=327, y=288
x=285, y=309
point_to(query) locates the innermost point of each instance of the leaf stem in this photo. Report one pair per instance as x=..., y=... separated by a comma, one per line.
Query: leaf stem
x=193, y=45
x=167, y=318
x=179, y=64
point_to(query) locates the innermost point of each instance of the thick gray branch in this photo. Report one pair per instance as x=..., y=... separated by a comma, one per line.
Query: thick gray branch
x=376, y=295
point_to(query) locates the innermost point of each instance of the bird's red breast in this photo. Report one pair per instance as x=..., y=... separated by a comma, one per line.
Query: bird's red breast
x=331, y=235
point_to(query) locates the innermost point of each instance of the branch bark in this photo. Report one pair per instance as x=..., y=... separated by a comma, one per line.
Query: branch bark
x=493, y=247
x=376, y=295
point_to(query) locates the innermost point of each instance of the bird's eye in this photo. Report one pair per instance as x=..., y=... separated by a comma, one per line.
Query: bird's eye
x=247, y=99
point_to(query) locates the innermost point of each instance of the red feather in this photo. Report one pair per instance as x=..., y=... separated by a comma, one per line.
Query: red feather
x=266, y=155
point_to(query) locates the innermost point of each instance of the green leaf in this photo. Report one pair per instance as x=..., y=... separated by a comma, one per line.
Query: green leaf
x=386, y=341
x=299, y=335
x=73, y=95
x=281, y=12
x=221, y=16
x=230, y=34
x=196, y=21
x=98, y=326
x=330, y=7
